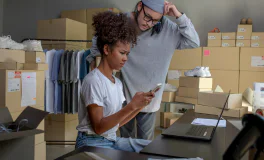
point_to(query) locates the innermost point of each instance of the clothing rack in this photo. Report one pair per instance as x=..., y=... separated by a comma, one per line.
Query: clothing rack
x=67, y=40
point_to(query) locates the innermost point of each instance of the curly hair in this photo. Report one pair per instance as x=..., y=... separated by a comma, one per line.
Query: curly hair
x=111, y=28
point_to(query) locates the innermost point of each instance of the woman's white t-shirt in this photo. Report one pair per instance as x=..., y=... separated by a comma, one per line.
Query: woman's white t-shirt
x=98, y=89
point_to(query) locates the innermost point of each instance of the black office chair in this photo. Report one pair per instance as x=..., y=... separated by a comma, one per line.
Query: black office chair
x=251, y=136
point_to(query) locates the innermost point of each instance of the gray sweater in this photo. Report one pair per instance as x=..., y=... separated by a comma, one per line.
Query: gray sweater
x=148, y=62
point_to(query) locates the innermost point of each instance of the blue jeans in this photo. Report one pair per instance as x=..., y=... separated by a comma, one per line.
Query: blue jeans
x=124, y=144
x=145, y=126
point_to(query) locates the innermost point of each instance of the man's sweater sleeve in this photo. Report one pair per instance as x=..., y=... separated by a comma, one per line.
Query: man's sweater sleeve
x=185, y=33
x=94, y=51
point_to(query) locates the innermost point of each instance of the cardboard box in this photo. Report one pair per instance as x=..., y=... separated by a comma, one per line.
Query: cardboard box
x=190, y=92
x=170, y=121
x=12, y=65
x=39, y=138
x=228, y=43
x=35, y=66
x=168, y=96
x=61, y=131
x=174, y=76
x=186, y=100
x=221, y=58
x=164, y=116
x=173, y=82
x=62, y=28
x=11, y=143
x=226, y=79
x=186, y=59
x=257, y=36
x=236, y=112
x=257, y=43
x=195, y=82
x=62, y=117
x=252, y=59
x=244, y=31
x=214, y=43
x=35, y=57
x=8, y=55
x=66, y=46
x=77, y=15
x=217, y=99
x=40, y=151
x=228, y=35
x=11, y=89
x=214, y=36
x=243, y=43
x=247, y=79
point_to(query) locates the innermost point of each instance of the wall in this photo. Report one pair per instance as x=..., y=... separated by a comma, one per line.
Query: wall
x=1, y=16
x=205, y=14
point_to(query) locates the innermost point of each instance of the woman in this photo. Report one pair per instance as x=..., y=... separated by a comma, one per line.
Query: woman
x=100, y=111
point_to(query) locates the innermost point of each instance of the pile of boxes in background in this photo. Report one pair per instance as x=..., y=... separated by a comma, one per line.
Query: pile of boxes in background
x=212, y=103
x=85, y=16
x=62, y=29
x=22, y=79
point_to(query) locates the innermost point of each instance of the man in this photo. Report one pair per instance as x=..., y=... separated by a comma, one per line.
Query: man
x=149, y=60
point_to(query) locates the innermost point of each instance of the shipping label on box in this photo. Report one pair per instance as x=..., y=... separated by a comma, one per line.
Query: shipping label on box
x=257, y=36
x=229, y=36
x=214, y=36
x=228, y=43
x=243, y=43
x=257, y=43
x=257, y=61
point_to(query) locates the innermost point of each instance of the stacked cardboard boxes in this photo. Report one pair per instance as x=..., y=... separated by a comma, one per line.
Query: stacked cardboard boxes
x=189, y=88
x=214, y=40
x=228, y=39
x=183, y=60
x=62, y=29
x=22, y=84
x=224, y=66
x=257, y=39
x=243, y=35
x=61, y=128
x=251, y=67
x=86, y=16
x=213, y=102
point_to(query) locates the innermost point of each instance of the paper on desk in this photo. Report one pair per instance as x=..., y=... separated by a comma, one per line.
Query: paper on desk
x=209, y=122
x=28, y=89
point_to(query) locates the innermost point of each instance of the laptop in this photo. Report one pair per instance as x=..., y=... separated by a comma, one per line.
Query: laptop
x=192, y=131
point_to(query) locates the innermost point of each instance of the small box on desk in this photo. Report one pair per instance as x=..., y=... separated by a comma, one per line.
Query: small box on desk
x=236, y=112
x=217, y=99
x=19, y=144
x=196, y=82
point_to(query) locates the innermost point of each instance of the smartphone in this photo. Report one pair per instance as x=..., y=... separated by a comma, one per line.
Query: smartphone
x=156, y=88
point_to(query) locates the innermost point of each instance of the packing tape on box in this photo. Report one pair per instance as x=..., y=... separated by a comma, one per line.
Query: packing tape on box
x=260, y=112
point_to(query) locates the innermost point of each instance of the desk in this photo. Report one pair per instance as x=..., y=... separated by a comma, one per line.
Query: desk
x=184, y=148
x=108, y=154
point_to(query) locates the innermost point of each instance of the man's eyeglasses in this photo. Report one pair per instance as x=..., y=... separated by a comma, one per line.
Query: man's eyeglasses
x=148, y=18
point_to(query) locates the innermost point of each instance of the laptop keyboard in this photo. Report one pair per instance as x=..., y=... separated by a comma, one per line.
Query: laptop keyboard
x=196, y=130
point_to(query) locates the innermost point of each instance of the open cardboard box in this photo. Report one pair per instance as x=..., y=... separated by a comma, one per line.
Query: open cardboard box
x=217, y=99
x=20, y=144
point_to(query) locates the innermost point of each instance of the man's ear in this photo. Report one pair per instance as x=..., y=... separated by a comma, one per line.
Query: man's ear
x=106, y=49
